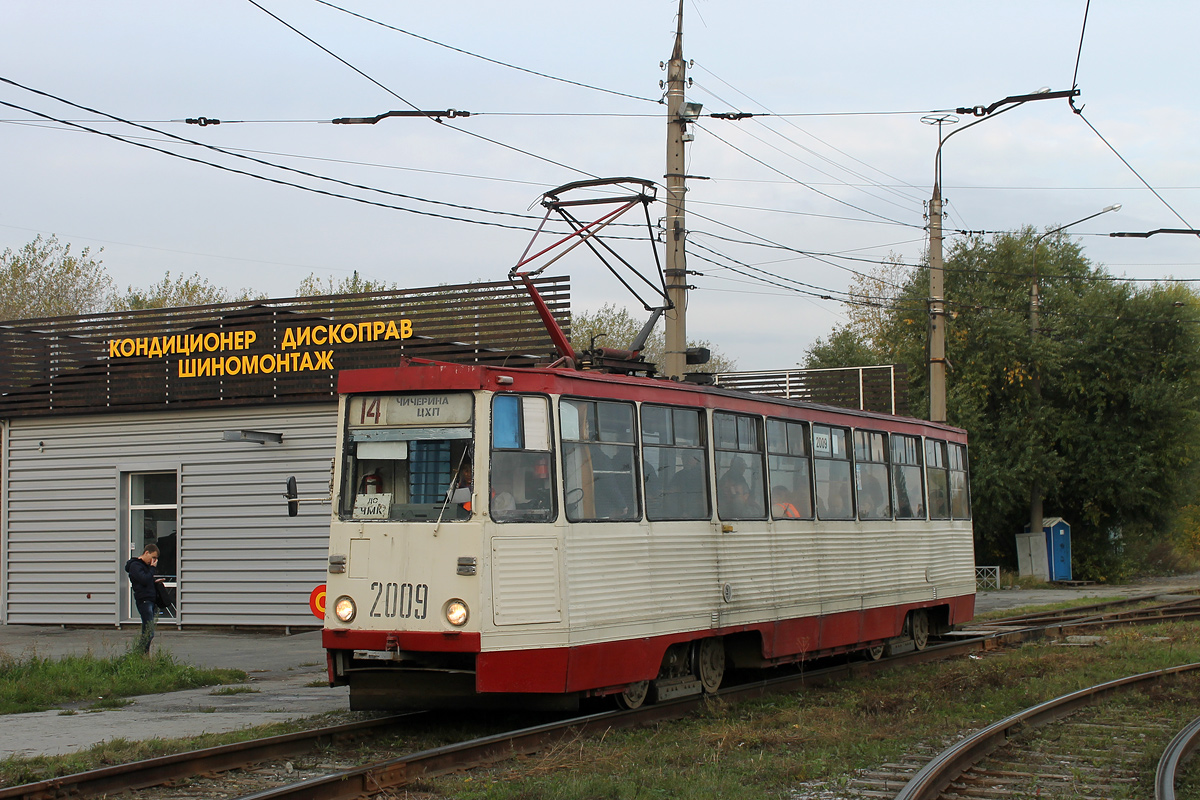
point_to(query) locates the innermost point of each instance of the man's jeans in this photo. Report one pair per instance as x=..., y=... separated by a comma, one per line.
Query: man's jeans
x=149, y=614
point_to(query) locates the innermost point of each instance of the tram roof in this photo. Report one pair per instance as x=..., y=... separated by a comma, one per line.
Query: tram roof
x=420, y=375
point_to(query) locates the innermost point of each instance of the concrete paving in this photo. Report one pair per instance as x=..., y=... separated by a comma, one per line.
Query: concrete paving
x=280, y=667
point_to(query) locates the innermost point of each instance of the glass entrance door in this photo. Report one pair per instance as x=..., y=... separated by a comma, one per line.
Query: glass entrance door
x=154, y=519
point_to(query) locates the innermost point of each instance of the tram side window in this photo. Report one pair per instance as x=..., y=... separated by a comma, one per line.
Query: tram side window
x=871, y=475
x=522, y=473
x=908, y=488
x=741, y=490
x=960, y=495
x=937, y=476
x=831, y=465
x=789, y=466
x=674, y=465
x=599, y=479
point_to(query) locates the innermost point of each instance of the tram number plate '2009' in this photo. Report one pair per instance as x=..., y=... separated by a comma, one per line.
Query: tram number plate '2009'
x=402, y=600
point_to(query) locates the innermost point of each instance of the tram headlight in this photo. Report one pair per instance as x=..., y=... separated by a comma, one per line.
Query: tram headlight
x=457, y=613
x=344, y=608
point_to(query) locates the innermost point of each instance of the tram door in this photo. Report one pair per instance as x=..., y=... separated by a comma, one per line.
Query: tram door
x=153, y=518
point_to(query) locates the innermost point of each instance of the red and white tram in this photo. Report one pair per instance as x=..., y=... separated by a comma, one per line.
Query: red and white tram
x=534, y=536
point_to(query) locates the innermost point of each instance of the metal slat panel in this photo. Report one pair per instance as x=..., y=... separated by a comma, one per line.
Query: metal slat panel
x=68, y=365
x=242, y=560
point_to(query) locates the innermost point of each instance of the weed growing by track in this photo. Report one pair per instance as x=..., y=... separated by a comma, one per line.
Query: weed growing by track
x=14, y=771
x=819, y=737
x=37, y=684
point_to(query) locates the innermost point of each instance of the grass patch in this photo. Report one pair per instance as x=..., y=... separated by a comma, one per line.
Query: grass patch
x=109, y=702
x=322, y=683
x=37, y=684
x=1064, y=605
x=226, y=690
x=817, y=738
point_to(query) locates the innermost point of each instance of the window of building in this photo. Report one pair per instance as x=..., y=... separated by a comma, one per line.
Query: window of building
x=674, y=463
x=960, y=493
x=522, y=468
x=599, y=455
x=153, y=518
x=871, y=475
x=831, y=468
x=937, y=478
x=908, y=487
x=741, y=490
x=789, y=466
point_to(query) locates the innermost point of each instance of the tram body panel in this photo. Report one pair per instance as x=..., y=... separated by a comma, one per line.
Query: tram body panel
x=575, y=607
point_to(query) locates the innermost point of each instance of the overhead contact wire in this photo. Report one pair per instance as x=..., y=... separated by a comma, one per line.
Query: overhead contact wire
x=485, y=58
x=409, y=104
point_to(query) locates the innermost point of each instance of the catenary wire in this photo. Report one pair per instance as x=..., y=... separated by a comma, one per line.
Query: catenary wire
x=815, y=168
x=817, y=138
x=482, y=57
x=408, y=103
x=259, y=161
x=802, y=183
x=1079, y=113
x=268, y=179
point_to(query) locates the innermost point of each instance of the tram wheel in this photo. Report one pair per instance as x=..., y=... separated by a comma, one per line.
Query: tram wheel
x=875, y=653
x=919, y=626
x=634, y=695
x=710, y=664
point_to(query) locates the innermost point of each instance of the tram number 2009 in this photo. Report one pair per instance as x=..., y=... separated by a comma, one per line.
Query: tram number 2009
x=400, y=600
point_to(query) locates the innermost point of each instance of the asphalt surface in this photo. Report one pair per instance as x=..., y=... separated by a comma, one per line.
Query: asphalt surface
x=280, y=669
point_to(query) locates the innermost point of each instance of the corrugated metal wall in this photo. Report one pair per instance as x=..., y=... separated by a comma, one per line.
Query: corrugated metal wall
x=242, y=560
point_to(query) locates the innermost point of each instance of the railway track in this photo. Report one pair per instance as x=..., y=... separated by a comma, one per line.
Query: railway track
x=360, y=781
x=1088, y=744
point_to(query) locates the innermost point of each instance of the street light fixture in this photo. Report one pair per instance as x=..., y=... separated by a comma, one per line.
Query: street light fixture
x=937, y=302
x=1035, y=490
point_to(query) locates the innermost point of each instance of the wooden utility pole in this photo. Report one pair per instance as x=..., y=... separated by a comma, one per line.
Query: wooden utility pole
x=676, y=273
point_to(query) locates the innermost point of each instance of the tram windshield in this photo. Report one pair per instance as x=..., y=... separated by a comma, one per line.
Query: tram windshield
x=408, y=457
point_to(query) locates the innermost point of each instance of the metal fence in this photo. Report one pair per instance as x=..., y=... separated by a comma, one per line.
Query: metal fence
x=881, y=388
x=248, y=352
x=987, y=578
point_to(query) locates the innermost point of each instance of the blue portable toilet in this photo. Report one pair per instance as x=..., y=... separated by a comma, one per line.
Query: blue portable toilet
x=1058, y=547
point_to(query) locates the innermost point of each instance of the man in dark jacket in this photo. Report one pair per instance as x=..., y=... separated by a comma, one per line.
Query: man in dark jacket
x=141, y=575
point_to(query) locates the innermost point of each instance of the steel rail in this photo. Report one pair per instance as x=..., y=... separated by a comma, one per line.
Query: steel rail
x=393, y=773
x=952, y=762
x=156, y=771
x=1087, y=610
x=1178, y=751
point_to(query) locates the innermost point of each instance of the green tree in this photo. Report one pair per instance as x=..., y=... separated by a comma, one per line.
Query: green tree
x=171, y=292
x=1114, y=434
x=620, y=328
x=844, y=347
x=314, y=286
x=44, y=279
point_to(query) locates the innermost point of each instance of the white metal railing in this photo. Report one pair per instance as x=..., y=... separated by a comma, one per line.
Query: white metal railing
x=987, y=578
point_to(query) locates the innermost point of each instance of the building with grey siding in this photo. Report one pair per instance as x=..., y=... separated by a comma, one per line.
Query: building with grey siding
x=118, y=430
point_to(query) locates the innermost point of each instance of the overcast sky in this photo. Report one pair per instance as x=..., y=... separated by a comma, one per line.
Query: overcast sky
x=845, y=168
